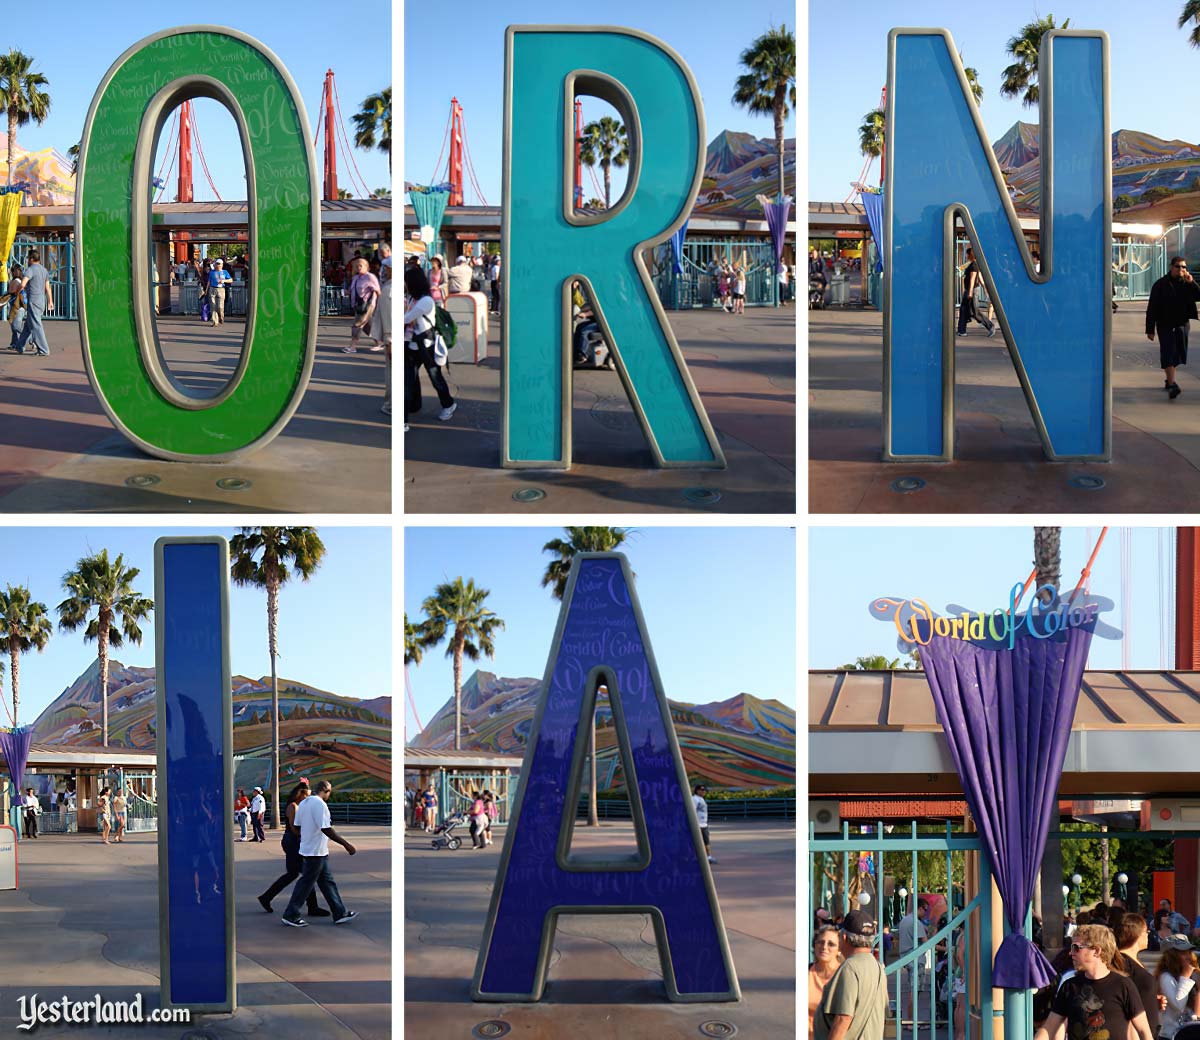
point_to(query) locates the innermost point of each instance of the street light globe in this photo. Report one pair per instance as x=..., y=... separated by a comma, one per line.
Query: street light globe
x=903, y=893
x=1122, y=878
x=1076, y=879
x=1066, y=890
x=863, y=898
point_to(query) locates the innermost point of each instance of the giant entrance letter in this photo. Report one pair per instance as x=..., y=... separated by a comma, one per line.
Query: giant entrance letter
x=547, y=243
x=120, y=345
x=602, y=639
x=939, y=167
x=194, y=735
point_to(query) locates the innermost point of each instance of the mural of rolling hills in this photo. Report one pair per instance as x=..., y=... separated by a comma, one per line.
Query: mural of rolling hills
x=737, y=168
x=322, y=735
x=1141, y=163
x=739, y=742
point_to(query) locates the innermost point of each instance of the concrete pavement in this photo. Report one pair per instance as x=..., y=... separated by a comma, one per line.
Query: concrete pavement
x=744, y=370
x=85, y=921
x=999, y=466
x=605, y=980
x=60, y=453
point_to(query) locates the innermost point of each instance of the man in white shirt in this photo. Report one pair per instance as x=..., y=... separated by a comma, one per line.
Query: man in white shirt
x=32, y=808
x=698, y=800
x=460, y=276
x=911, y=930
x=315, y=825
x=258, y=809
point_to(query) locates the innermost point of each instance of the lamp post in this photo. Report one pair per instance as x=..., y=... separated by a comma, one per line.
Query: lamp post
x=1076, y=881
x=1122, y=881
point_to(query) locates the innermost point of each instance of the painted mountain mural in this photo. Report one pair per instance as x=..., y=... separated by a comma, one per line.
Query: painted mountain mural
x=1154, y=181
x=322, y=735
x=737, y=168
x=739, y=742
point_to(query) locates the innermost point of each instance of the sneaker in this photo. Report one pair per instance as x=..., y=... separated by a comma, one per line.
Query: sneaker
x=991, y=332
x=295, y=922
x=265, y=903
x=406, y=427
x=1174, y=391
x=319, y=913
x=377, y=349
x=386, y=408
x=349, y=915
x=349, y=350
x=711, y=860
x=446, y=413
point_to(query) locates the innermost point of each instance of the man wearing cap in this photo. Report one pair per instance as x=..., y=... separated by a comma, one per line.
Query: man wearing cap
x=258, y=808
x=217, y=277
x=699, y=795
x=854, y=1004
x=460, y=276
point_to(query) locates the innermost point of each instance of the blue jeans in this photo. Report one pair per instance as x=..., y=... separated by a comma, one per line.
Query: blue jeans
x=316, y=874
x=242, y=820
x=33, y=329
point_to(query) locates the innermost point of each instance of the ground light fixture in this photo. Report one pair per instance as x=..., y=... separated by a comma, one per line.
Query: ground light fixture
x=863, y=898
x=1123, y=880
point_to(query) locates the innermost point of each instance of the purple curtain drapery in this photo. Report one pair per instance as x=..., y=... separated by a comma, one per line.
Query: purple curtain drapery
x=677, y=248
x=15, y=746
x=777, y=217
x=873, y=204
x=1007, y=717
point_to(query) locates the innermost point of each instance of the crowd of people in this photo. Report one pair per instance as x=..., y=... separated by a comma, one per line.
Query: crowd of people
x=1101, y=983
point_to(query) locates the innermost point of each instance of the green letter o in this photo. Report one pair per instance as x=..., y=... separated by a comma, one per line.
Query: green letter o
x=120, y=346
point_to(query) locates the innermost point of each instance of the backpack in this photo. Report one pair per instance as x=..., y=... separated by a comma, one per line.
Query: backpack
x=445, y=326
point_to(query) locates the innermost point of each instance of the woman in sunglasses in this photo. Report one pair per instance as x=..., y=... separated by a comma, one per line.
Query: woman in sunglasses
x=826, y=959
x=1096, y=1001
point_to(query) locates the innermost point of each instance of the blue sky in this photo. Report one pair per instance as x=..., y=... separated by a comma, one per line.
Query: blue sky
x=974, y=567
x=719, y=603
x=848, y=69
x=708, y=37
x=334, y=630
x=74, y=50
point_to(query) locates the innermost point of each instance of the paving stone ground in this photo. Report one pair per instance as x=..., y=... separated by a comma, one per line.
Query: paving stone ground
x=999, y=465
x=59, y=452
x=605, y=980
x=745, y=372
x=85, y=921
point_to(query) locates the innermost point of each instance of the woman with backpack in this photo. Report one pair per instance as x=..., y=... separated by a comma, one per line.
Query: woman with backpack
x=421, y=343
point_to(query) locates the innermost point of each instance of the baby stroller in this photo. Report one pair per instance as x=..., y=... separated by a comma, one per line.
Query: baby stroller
x=444, y=832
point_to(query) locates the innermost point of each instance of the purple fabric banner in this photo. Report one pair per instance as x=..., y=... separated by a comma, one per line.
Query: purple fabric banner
x=873, y=205
x=1007, y=717
x=777, y=216
x=677, y=248
x=15, y=746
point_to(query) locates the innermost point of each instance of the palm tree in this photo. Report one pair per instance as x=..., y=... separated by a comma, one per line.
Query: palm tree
x=972, y=80
x=604, y=143
x=870, y=134
x=1047, y=556
x=73, y=155
x=1020, y=78
x=373, y=124
x=874, y=663
x=24, y=626
x=414, y=641
x=106, y=587
x=22, y=97
x=344, y=194
x=459, y=606
x=381, y=193
x=266, y=558
x=770, y=83
x=1191, y=13
x=581, y=539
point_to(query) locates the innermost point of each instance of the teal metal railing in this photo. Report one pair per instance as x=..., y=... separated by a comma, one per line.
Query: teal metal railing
x=942, y=986
x=697, y=285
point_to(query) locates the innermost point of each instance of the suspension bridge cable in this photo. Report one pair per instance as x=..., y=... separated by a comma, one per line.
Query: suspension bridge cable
x=341, y=119
x=174, y=155
x=170, y=137
x=203, y=162
x=470, y=163
x=344, y=148
x=445, y=138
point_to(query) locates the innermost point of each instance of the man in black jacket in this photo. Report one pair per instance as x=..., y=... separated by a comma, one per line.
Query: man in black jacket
x=1172, y=305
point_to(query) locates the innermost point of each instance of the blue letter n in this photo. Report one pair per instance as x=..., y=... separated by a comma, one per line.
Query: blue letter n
x=602, y=638
x=939, y=168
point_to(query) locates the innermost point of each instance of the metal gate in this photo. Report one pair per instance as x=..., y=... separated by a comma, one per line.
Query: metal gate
x=697, y=285
x=458, y=790
x=941, y=987
x=58, y=258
